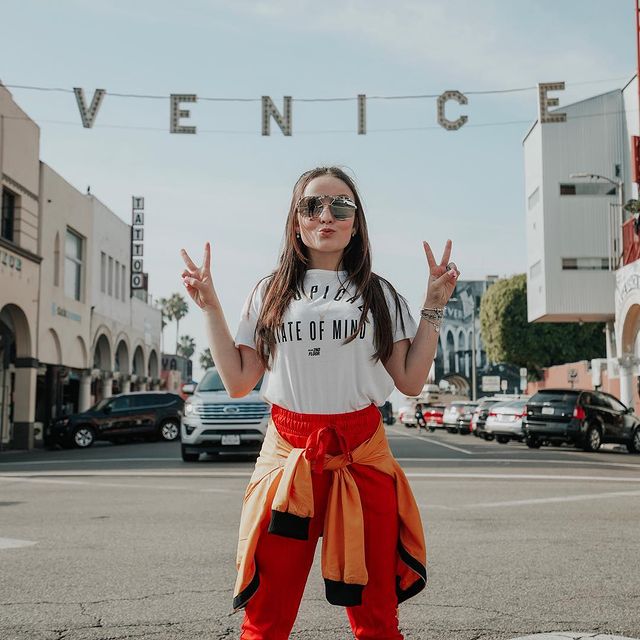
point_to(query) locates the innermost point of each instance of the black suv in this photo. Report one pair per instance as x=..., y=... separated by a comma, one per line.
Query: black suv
x=584, y=418
x=148, y=414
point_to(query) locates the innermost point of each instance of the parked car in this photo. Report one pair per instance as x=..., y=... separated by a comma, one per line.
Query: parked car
x=504, y=421
x=407, y=415
x=433, y=414
x=458, y=415
x=464, y=419
x=581, y=417
x=147, y=414
x=480, y=414
x=213, y=422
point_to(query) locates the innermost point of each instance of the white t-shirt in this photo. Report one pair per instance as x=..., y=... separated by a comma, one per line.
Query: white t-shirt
x=311, y=370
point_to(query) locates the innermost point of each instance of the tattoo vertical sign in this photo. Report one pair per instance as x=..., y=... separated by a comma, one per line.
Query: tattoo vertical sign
x=138, y=280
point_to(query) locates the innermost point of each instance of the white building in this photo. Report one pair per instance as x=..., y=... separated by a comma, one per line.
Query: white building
x=70, y=330
x=581, y=266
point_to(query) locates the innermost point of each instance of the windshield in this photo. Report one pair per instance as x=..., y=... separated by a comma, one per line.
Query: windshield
x=561, y=395
x=212, y=382
x=101, y=404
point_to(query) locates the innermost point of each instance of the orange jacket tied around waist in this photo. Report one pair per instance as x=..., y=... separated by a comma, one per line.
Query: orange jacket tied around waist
x=280, y=491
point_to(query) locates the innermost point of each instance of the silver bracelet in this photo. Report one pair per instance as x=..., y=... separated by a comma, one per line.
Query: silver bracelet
x=433, y=315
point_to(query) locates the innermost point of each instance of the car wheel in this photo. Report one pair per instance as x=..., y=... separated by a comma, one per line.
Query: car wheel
x=502, y=439
x=634, y=444
x=489, y=437
x=83, y=437
x=170, y=430
x=432, y=429
x=190, y=457
x=533, y=443
x=592, y=439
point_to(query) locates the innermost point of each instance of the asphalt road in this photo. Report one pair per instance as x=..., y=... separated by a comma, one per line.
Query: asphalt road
x=127, y=541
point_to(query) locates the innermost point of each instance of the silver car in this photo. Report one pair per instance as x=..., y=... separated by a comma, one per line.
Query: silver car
x=505, y=421
x=215, y=423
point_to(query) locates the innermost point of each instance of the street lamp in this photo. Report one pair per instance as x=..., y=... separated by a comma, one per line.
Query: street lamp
x=619, y=185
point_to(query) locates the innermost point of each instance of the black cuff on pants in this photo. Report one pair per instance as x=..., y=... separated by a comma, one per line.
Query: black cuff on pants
x=289, y=525
x=343, y=594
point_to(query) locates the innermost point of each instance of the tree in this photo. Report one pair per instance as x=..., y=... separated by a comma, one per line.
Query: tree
x=177, y=308
x=165, y=317
x=186, y=347
x=206, y=359
x=509, y=337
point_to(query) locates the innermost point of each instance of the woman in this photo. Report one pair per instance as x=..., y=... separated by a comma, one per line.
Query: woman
x=331, y=339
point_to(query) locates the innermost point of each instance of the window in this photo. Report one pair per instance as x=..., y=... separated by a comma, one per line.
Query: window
x=599, y=401
x=142, y=400
x=8, y=214
x=122, y=287
x=120, y=403
x=211, y=381
x=598, y=264
x=117, y=279
x=110, y=276
x=73, y=265
x=588, y=189
x=616, y=405
x=103, y=272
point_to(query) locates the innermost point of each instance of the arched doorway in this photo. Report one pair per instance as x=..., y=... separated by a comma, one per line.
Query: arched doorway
x=102, y=385
x=139, y=372
x=18, y=372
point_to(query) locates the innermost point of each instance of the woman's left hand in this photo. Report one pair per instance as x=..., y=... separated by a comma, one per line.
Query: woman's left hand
x=442, y=282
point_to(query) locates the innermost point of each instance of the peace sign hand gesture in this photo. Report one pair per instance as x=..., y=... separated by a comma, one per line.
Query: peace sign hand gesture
x=442, y=280
x=198, y=280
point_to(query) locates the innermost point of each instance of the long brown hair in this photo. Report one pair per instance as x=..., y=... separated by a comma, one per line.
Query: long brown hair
x=287, y=279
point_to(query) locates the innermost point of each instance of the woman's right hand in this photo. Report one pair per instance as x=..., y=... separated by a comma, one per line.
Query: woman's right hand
x=198, y=280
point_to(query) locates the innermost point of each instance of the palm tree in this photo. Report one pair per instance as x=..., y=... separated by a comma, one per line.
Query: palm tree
x=186, y=347
x=178, y=308
x=206, y=360
x=165, y=317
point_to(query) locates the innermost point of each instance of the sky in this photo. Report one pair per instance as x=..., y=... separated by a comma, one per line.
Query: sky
x=230, y=185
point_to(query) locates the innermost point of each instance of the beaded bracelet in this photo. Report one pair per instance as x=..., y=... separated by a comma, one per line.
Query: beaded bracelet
x=433, y=315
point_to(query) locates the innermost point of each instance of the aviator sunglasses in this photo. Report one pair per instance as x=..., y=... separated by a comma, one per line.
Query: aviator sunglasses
x=341, y=207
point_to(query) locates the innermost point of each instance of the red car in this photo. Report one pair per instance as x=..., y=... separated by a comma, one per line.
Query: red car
x=433, y=416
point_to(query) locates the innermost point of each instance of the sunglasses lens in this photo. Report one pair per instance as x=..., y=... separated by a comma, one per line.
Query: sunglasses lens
x=315, y=207
x=342, y=210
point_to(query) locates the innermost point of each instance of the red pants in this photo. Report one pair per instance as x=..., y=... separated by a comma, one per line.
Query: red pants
x=284, y=563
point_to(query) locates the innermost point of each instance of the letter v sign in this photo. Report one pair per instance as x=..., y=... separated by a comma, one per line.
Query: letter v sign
x=88, y=115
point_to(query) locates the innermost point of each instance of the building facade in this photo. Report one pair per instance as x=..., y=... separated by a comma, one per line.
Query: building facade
x=460, y=327
x=71, y=332
x=582, y=246
x=19, y=271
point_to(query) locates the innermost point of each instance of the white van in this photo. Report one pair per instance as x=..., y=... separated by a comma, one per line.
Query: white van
x=214, y=422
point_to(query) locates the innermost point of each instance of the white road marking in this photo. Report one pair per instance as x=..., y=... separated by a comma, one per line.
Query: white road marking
x=11, y=543
x=120, y=485
x=595, y=463
x=82, y=460
x=536, y=460
x=521, y=476
x=131, y=473
x=36, y=475
x=530, y=501
x=429, y=440
x=573, y=635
